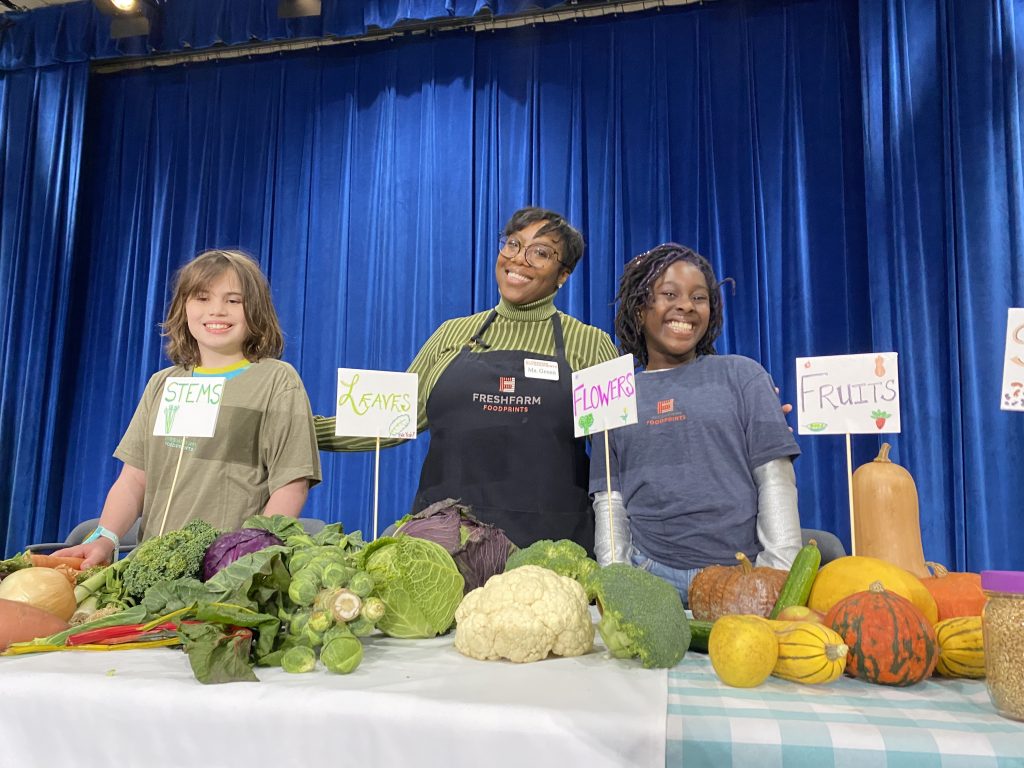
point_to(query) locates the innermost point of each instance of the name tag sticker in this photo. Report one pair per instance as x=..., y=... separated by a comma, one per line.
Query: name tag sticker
x=540, y=369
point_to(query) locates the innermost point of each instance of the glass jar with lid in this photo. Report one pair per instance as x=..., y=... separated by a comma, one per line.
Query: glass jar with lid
x=1002, y=626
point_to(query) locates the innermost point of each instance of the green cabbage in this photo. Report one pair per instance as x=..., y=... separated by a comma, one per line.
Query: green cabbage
x=418, y=582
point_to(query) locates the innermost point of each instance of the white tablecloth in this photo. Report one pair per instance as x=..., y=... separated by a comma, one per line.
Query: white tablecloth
x=410, y=703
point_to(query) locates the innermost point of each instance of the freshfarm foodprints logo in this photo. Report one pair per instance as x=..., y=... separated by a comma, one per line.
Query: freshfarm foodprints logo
x=507, y=384
x=666, y=412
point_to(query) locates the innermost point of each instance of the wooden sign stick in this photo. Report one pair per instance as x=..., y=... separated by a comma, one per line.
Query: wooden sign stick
x=376, y=485
x=174, y=481
x=849, y=491
x=608, y=486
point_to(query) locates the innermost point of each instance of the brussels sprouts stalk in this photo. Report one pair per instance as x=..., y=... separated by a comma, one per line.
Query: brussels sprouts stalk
x=343, y=604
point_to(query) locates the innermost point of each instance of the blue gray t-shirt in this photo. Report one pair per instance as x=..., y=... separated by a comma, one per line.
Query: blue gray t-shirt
x=685, y=470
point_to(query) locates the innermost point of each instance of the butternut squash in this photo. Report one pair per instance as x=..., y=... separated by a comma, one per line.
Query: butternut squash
x=885, y=514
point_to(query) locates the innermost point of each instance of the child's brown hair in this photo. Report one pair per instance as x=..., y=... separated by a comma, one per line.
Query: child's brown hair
x=265, y=338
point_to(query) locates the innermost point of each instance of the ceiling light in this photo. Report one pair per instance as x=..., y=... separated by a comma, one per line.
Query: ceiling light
x=130, y=18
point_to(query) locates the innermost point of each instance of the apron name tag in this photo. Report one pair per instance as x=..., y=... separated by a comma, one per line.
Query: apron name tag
x=540, y=369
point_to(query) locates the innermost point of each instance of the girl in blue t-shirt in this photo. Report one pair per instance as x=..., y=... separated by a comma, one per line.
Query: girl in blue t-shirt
x=708, y=469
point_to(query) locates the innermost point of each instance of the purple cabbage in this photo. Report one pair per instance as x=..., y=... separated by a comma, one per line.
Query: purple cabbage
x=232, y=545
x=479, y=550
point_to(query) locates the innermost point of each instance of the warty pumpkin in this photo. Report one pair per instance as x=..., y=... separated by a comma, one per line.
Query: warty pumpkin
x=809, y=653
x=890, y=642
x=886, y=519
x=845, y=576
x=721, y=590
x=961, y=647
x=956, y=594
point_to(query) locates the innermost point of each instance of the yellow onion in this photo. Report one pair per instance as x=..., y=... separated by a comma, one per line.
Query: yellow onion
x=44, y=588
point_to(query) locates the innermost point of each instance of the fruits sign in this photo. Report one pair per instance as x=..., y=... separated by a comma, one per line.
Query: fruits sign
x=848, y=394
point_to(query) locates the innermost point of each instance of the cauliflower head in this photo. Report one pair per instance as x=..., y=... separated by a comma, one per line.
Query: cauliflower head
x=523, y=615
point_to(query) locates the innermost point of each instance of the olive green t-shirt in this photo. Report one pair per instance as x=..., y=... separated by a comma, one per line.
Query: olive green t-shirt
x=264, y=440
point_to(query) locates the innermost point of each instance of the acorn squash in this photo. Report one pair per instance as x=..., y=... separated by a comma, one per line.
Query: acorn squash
x=890, y=642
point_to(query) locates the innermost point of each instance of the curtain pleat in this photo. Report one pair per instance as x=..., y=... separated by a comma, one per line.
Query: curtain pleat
x=41, y=118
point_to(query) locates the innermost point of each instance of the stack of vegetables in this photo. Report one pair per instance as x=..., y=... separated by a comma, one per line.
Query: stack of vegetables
x=540, y=606
x=37, y=596
x=857, y=615
x=270, y=595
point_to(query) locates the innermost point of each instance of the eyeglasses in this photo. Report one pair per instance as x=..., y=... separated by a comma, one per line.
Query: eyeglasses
x=537, y=255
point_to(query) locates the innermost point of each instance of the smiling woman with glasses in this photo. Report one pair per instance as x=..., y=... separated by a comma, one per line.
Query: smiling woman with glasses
x=495, y=392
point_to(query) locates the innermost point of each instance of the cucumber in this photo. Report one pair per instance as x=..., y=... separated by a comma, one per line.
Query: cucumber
x=797, y=587
x=700, y=631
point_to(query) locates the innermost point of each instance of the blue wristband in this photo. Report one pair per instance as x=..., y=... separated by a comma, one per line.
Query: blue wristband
x=106, y=533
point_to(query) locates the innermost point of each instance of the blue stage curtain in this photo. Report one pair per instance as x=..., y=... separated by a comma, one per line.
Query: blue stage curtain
x=79, y=32
x=41, y=117
x=942, y=96
x=372, y=184
x=854, y=166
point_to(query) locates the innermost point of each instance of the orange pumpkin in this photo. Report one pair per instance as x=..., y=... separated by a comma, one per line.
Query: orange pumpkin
x=889, y=640
x=719, y=590
x=956, y=594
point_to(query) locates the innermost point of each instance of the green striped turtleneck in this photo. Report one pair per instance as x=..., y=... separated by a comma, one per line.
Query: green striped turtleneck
x=525, y=327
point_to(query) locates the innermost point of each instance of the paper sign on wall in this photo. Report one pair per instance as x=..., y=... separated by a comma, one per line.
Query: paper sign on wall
x=1012, y=397
x=189, y=407
x=376, y=403
x=848, y=394
x=604, y=396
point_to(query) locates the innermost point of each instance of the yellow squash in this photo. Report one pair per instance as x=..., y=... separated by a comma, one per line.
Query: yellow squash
x=809, y=653
x=846, y=575
x=743, y=650
x=961, y=650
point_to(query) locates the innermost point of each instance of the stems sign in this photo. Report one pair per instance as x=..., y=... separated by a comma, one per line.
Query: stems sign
x=189, y=406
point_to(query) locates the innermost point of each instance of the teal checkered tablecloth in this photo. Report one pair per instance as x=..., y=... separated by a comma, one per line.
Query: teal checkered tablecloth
x=844, y=724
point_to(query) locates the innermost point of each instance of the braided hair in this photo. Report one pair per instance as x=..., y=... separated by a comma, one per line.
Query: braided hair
x=635, y=294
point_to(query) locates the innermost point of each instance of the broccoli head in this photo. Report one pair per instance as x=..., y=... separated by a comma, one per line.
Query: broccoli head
x=641, y=616
x=174, y=555
x=564, y=557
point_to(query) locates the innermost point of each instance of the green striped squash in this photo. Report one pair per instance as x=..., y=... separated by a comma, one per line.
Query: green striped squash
x=961, y=651
x=809, y=653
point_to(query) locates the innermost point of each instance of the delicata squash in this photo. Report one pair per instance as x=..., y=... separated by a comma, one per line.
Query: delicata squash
x=809, y=653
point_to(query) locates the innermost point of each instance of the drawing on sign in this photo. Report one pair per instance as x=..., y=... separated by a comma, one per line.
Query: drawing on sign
x=1013, y=397
x=169, y=413
x=586, y=422
x=399, y=425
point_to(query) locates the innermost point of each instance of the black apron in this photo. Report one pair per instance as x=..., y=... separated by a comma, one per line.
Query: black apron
x=504, y=445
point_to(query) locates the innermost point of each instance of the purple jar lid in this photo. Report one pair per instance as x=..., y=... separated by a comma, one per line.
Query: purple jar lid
x=1003, y=581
